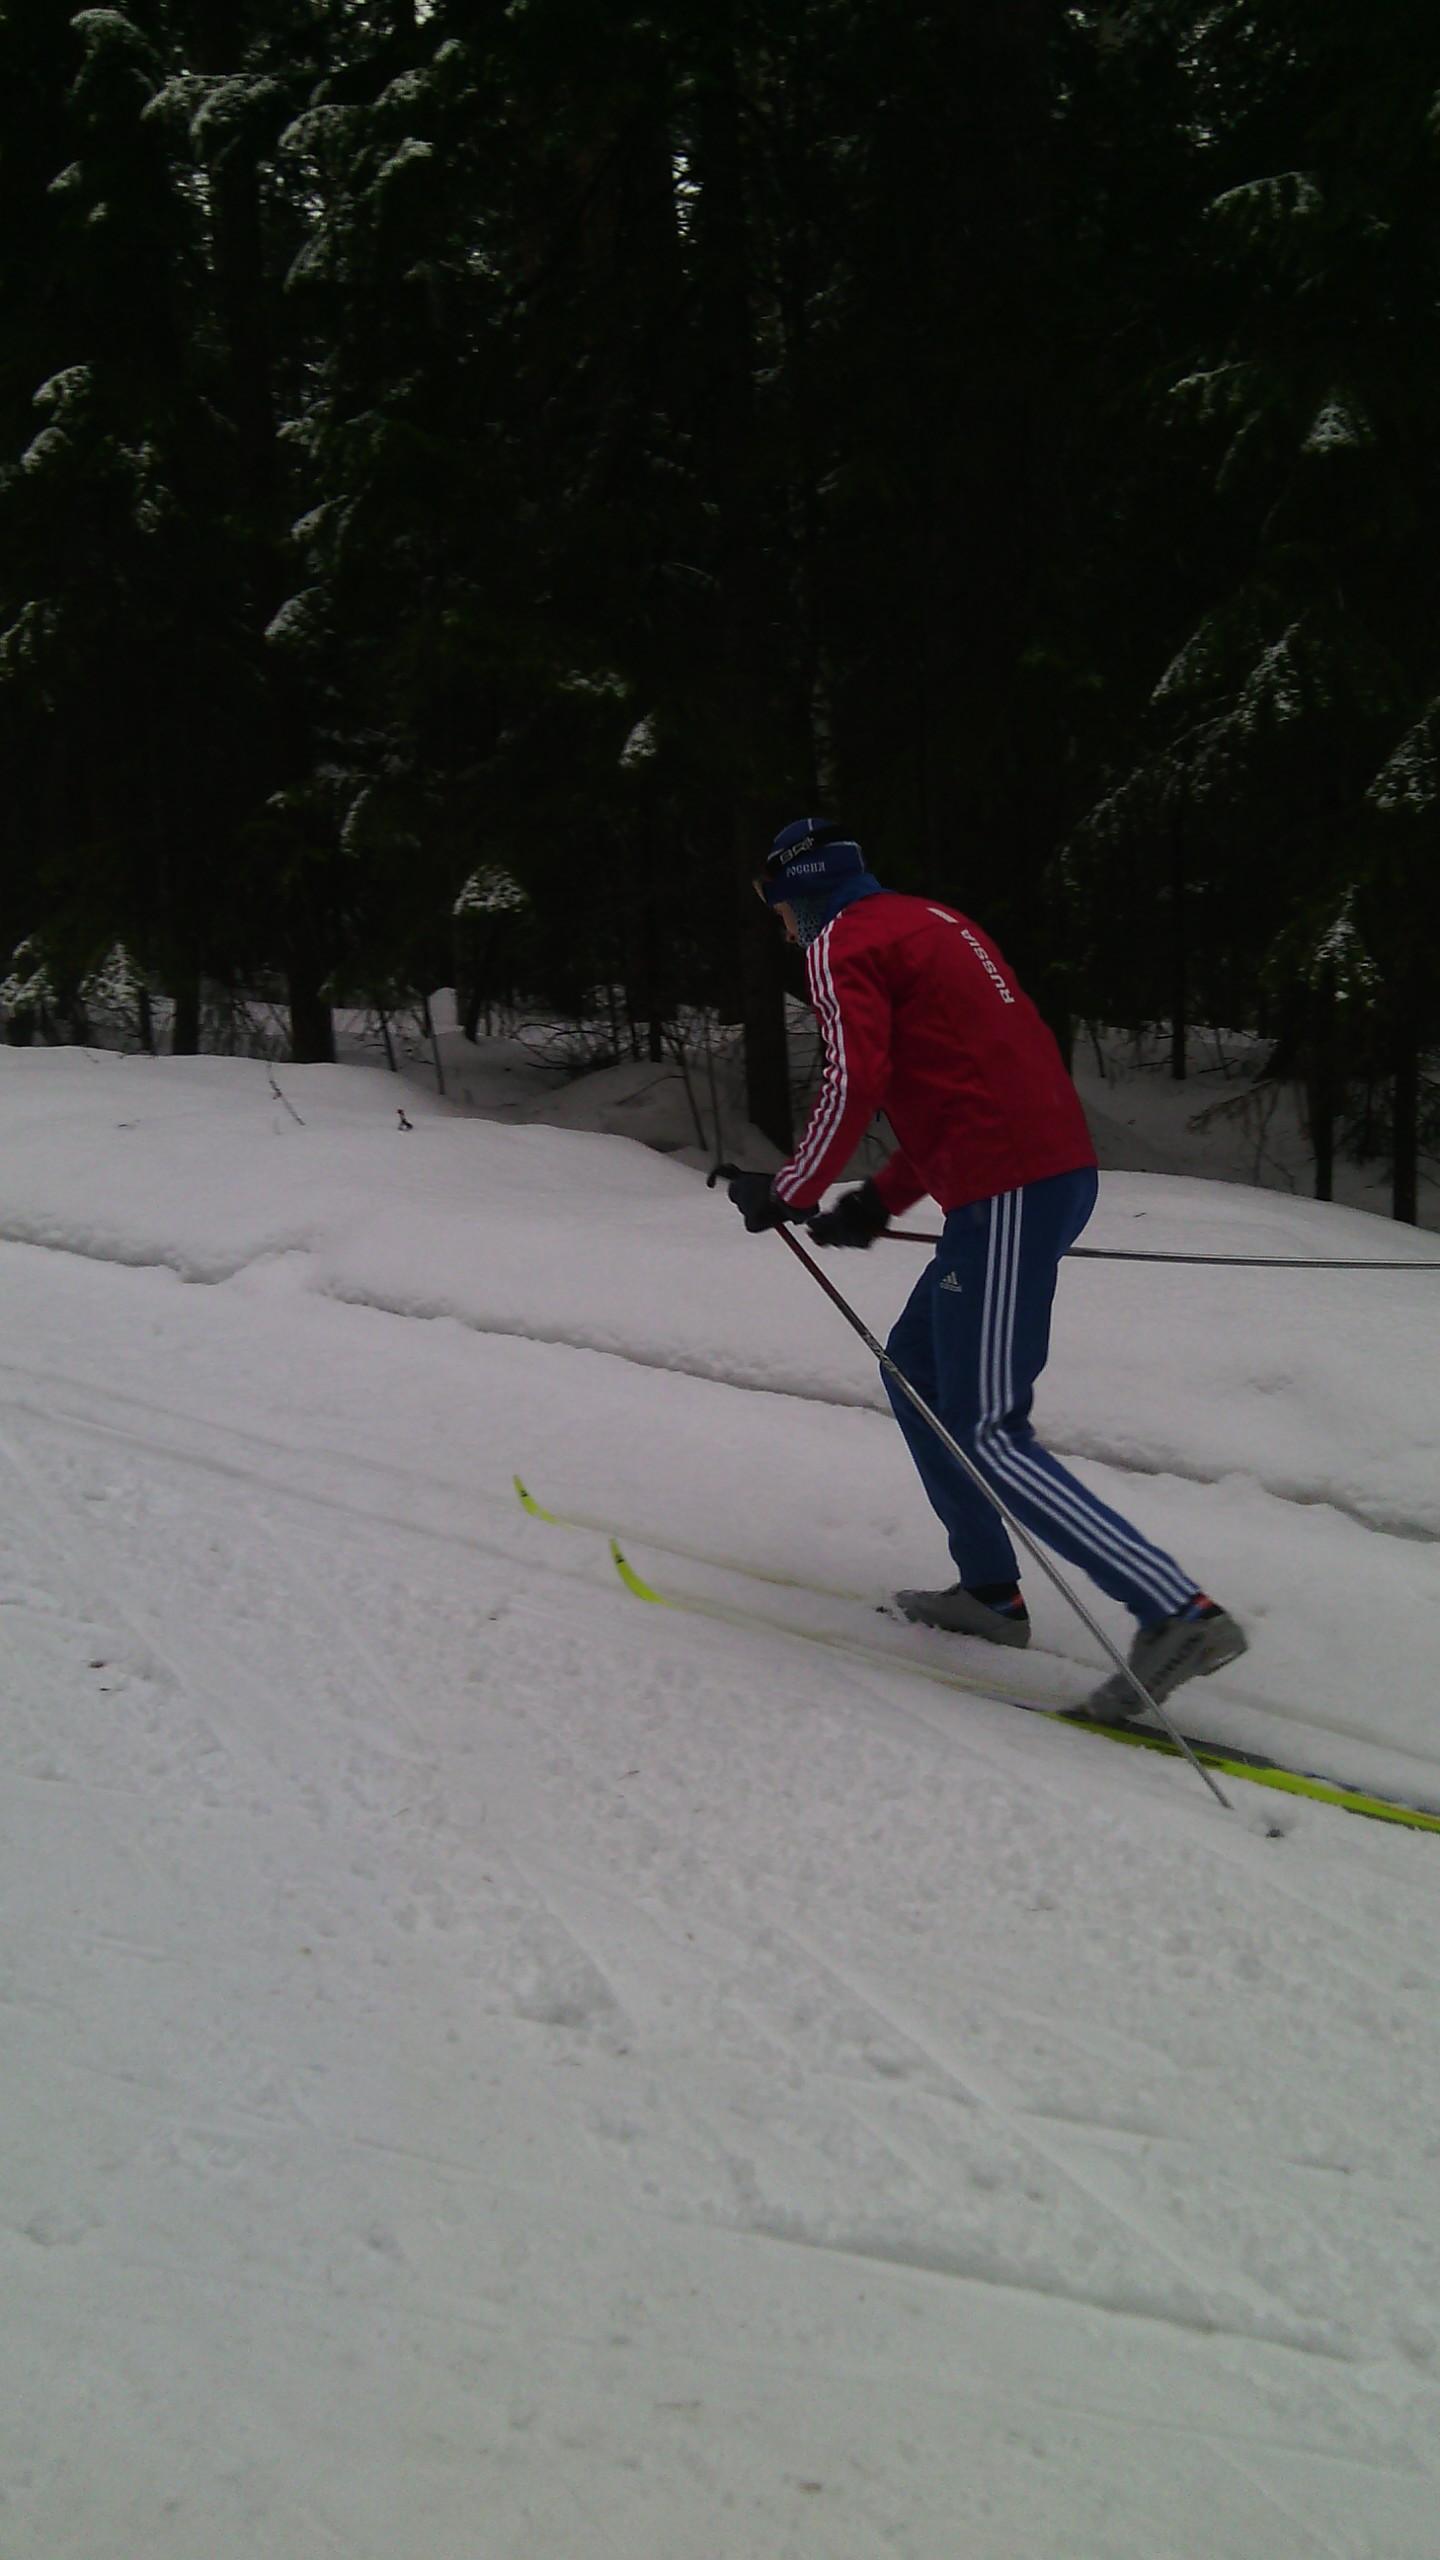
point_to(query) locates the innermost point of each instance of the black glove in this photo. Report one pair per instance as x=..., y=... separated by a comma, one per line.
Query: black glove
x=858, y=1217
x=755, y=1197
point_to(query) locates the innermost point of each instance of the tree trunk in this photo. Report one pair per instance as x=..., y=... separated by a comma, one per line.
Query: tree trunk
x=745, y=697
x=762, y=1004
x=1405, y=1127
x=1179, y=954
x=312, y=1024
x=796, y=280
x=185, y=1023
x=1320, y=1098
x=649, y=970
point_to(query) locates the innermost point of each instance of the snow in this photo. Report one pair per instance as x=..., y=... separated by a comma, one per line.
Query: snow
x=495, y=2070
x=1290, y=195
x=101, y=23
x=1411, y=778
x=490, y=891
x=32, y=627
x=641, y=746
x=294, y=624
x=408, y=153
x=1272, y=687
x=29, y=987
x=51, y=445
x=1341, y=949
x=1339, y=425
x=222, y=101
x=1227, y=1119
x=65, y=390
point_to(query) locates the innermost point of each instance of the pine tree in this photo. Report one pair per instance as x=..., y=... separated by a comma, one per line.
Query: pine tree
x=1311, y=666
x=129, y=556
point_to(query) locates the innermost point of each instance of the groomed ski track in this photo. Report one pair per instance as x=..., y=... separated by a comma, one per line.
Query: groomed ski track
x=599, y=2070
x=831, y=2156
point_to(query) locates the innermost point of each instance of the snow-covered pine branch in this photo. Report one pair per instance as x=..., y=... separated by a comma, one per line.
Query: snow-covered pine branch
x=490, y=891
x=1410, y=777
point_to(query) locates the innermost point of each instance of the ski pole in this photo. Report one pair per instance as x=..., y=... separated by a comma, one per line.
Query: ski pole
x=893, y=1370
x=1239, y=1261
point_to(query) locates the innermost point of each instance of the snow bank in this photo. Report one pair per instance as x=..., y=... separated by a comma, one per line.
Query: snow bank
x=1320, y=1387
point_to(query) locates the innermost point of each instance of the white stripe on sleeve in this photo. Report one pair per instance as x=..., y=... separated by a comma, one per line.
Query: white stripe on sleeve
x=830, y=1108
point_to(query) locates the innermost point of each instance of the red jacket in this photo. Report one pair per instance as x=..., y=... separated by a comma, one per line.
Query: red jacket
x=921, y=1019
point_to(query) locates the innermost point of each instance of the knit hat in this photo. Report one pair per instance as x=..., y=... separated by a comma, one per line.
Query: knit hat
x=810, y=859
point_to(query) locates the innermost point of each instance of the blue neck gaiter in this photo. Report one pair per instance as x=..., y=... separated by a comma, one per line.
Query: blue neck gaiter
x=813, y=914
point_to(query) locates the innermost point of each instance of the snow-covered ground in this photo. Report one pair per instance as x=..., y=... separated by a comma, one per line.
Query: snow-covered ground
x=1224, y=1122
x=496, y=2072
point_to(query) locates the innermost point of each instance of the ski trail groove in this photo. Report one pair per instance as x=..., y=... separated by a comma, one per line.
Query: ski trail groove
x=387, y=1693
x=985, y=2088
x=291, y=1753
x=865, y=1680
x=310, y=1459
x=1265, y=2490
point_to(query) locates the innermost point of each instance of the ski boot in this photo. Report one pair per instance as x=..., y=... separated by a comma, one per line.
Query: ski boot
x=1199, y=1639
x=994, y=1611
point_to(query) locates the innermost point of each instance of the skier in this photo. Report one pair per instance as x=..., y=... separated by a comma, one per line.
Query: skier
x=921, y=1017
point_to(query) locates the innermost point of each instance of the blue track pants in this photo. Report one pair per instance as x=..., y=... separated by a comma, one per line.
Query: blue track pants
x=973, y=1339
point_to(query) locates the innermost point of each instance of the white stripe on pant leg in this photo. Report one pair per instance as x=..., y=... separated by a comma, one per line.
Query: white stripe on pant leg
x=996, y=1334
x=1140, y=1564
x=997, y=1373
x=1129, y=1553
x=1012, y=1306
x=1145, y=1566
x=983, y=1401
x=1007, y=1383
x=999, y=1311
x=993, y=1318
x=999, y=1389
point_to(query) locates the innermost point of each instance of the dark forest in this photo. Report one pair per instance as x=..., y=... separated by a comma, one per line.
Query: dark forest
x=552, y=445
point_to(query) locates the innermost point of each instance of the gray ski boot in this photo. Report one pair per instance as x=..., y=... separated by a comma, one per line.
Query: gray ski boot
x=1189, y=1646
x=963, y=1613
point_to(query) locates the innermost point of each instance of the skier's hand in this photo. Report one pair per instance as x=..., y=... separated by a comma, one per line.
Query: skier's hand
x=755, y=1197
x=857, y=1218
